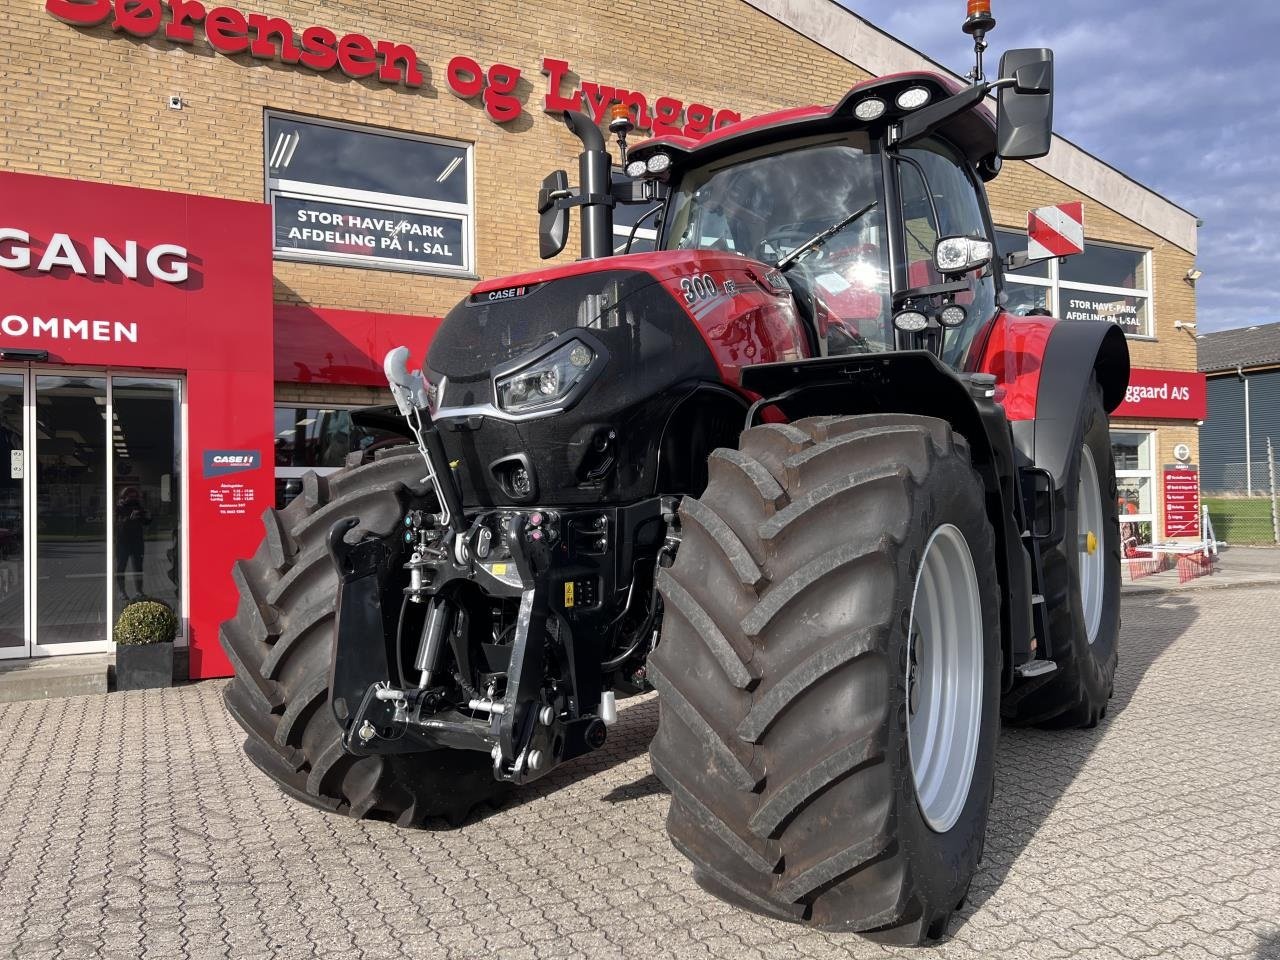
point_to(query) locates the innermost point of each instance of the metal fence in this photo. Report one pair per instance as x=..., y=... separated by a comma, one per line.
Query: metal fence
x=1244, y=506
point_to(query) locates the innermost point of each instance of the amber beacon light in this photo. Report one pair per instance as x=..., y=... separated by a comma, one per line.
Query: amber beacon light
x=980, y=18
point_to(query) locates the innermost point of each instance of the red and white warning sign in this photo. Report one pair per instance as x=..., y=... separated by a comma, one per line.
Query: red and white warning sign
x=1055, y=231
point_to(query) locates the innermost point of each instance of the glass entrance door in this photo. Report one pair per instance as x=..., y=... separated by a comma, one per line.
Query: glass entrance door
x=72, y=514
x=13, y=515
x=91, y=505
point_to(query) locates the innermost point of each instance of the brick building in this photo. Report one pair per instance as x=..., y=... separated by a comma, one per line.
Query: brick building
x=434, y=123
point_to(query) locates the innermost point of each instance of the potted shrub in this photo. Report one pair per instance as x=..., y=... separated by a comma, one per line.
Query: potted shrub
x=144, y=645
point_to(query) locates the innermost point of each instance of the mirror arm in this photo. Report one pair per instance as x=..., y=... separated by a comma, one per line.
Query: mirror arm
x=933, y=290
x=923, y=121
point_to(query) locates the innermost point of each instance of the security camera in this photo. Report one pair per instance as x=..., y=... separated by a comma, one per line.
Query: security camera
x=1183, y=325
x=175, y=102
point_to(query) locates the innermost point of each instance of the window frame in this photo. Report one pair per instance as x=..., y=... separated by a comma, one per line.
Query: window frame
x=465, y=213
x=1056, y=285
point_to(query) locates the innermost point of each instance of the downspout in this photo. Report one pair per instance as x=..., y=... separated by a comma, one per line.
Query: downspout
x=1248, y=438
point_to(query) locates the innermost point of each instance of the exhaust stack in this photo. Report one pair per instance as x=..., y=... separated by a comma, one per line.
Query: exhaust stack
x=594, y=182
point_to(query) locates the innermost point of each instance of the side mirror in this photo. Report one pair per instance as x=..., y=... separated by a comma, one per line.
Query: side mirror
x=956, y=255
x=1024, y=129
x=553, y=220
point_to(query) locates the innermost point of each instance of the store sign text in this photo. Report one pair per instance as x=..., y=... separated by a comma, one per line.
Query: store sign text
x=229, y=31
x=98, y=257
x=1164, y=395
x=497, y=86
x=325, y=227
x=166, y=262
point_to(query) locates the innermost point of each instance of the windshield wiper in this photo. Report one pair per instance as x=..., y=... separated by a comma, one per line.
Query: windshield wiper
x=819, y=239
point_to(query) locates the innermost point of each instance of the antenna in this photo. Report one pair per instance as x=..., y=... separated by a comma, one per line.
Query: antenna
x=978, y=24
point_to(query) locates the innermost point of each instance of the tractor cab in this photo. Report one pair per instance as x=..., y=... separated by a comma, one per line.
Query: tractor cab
x=852, y=204
x=871, y=211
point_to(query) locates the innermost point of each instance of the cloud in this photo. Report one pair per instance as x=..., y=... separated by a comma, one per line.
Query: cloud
x=1178, y=94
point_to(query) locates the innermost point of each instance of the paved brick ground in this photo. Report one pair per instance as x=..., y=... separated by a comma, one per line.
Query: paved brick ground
x=131, y=826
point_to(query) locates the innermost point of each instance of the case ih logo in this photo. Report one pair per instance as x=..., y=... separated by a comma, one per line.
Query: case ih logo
x=229, y=31
x=218, y=463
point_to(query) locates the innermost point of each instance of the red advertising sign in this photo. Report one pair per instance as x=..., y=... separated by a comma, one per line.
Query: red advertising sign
x=1181, y=501
x=116, y=277
x=1163, y=395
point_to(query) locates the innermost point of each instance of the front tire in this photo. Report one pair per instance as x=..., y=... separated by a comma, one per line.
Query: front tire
x=786, y=678
x=281, y=643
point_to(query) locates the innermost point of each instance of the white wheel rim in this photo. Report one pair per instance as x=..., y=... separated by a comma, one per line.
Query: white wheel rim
x=1089, y=532
x=944, y=677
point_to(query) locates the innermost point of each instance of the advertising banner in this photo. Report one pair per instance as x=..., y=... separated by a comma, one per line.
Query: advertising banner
x=1164, y=395
x=1128, y=313
x=1181, y=501
x=347, y=230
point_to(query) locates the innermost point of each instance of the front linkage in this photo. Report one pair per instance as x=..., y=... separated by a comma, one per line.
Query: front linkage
x=533, y=702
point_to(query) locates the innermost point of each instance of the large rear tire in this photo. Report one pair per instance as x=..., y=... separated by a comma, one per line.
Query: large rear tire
x=281, y=642
x=1081, y=589
x=793, y=674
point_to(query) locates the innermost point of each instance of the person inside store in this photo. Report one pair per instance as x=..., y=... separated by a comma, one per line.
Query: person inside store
x=131, y=521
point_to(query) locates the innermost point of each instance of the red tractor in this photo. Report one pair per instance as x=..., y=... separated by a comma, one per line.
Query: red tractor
x=796, y=470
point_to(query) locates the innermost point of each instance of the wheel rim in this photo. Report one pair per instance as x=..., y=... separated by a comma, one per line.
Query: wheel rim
x=1089, y=530
x=944, y=677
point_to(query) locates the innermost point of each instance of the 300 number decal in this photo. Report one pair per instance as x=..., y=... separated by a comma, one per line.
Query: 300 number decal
x=701, y=287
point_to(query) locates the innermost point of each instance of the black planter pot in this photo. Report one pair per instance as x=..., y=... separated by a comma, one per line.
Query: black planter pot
x=142, y=666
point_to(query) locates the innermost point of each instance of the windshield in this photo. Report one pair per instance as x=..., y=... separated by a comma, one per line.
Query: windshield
x=766, y=205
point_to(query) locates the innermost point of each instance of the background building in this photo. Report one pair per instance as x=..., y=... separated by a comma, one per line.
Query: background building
x=1243, y=371
x=398, y=148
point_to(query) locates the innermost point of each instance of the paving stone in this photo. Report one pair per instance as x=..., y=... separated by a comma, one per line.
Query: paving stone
x=135, y=827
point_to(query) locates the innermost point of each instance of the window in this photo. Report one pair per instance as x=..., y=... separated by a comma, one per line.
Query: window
x=318, y=439
x=940, y=200
x=361, y=197
x=1135, y=483
x=769, y=202
x=1104, y=283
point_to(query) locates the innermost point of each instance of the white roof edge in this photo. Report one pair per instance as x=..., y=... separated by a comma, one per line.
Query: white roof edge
x=865, y=45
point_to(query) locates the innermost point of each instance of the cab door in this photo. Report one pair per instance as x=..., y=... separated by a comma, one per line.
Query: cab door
x=941, y=198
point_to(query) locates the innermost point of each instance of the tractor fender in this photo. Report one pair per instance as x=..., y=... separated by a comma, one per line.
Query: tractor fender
x=1076, y=351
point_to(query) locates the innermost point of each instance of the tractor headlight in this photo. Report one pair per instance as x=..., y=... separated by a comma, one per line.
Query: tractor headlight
x=546, y=381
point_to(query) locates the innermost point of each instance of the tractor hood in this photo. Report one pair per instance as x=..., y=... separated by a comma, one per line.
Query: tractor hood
x=563, y=386
x=645, y=306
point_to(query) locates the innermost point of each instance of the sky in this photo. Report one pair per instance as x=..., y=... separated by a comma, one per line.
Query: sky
x=1180, y=95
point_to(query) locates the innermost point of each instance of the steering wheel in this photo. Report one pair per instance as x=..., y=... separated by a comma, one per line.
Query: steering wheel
x=775, y=245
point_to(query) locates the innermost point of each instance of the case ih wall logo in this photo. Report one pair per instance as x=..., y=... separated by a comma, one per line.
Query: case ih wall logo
x=96, y=257
x=219, y=463
x=231, y=32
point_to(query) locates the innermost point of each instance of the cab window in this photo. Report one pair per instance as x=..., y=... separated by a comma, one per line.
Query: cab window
x=940, y=199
